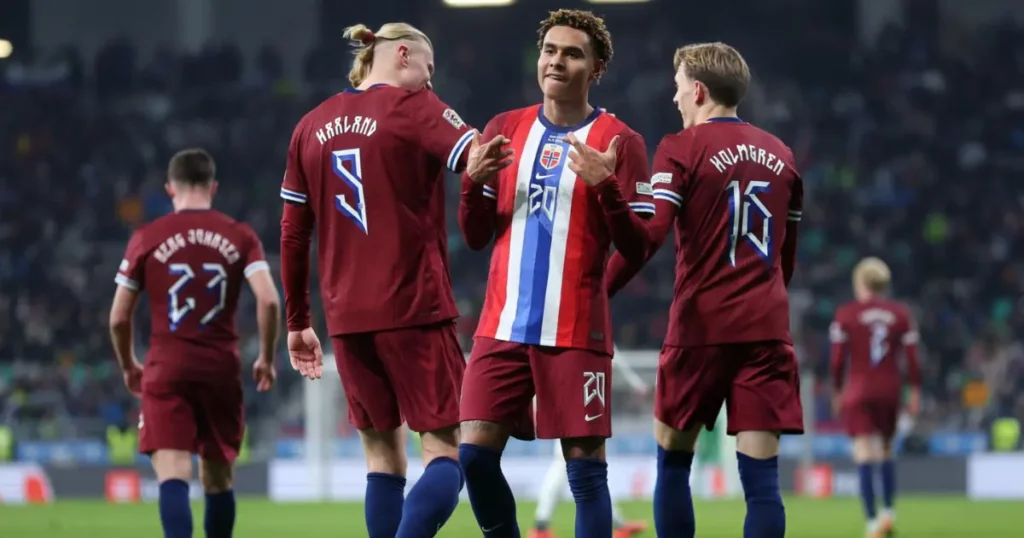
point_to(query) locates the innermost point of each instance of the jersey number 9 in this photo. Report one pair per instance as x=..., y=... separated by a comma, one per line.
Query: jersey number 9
x=742, y=202
x=351, y=175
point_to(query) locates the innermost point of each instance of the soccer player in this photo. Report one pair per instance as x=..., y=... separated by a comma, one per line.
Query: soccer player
x=734, y=197
x=366, y=168
x=192, y=263
x=545, y=328
x=557, y=478
x=868, y=336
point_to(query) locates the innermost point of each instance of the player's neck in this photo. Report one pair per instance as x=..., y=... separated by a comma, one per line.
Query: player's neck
x=566, y=113
x=715, y=111
x=375, y=80
x=191, y=201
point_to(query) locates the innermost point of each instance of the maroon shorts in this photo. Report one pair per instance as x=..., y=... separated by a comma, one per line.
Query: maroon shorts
x=871, y=417
x=203, y=417
x=571, y=386
x=413, y=373
x=758, y=381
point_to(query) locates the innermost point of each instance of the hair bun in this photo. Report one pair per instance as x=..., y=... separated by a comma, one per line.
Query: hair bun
x=368, y=37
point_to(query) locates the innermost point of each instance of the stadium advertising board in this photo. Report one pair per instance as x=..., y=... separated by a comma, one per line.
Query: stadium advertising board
x=138, y=484
x=25, y=483
x=629, y=477
x=996, y=476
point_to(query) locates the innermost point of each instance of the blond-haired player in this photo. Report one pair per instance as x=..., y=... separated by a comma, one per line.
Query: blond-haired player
x=557, y=478
x=366, y=169
x=869, y=335
x=734, y=196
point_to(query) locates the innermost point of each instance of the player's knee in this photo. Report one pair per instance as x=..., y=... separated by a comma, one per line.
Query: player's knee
x=172, y=465
x=868, y=448
x=443, y=443
x=216, y=476
x=385, y=451
x=486, y=434
x=583, y=447
x=886, y=449
x=758, y=444
x=672, y=439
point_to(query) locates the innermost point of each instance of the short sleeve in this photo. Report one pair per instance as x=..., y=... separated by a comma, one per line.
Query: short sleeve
x=632, y=171
x=131, y=272
x=293, y=187
x=667, y=178
x=255, y=260
x=437, y=127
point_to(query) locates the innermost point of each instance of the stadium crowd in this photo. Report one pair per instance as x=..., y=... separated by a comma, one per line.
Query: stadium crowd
x=909, y=152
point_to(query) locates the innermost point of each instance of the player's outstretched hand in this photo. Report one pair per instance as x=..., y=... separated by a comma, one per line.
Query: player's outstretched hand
x=263, y=374
x=590, y=165
x=133, y=378
x=484, y=160
x=914, y=401
x=306, y=355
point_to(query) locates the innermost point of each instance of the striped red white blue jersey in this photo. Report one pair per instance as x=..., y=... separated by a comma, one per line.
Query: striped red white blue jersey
x=552, y=232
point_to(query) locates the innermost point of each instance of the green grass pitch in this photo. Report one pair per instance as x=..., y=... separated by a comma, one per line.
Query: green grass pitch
x=919, y=517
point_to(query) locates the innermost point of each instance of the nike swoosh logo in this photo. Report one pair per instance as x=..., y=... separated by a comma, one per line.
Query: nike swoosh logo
x=589, y=418
x=538, y=176
x=492, y=529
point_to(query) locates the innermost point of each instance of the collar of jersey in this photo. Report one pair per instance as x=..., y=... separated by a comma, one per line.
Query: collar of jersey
x=353, y=90
x=567, y=128
x=727, y=119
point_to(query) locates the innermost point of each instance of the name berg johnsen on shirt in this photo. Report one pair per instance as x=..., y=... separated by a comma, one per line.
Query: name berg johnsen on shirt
x=727, y=157
x=200, y=237
x=362, y=125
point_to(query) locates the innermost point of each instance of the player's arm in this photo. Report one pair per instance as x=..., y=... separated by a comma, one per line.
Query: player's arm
x=436, y=127
x=297, y=221
x=268, y=302
x=129, y=279
x=837, y=357
x=910, y=341
x=628, y=229
x=796, y=204
x=666, y=184
x=478, y=205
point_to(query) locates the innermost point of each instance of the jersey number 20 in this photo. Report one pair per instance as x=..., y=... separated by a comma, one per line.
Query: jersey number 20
x=178, y=307
x=742, y=202
x=351, y=175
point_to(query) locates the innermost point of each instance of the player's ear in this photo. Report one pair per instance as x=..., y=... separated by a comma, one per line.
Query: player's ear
x=403, y=54
x=169, y=187
x=598, y=71
x=213, y=187
x=700, y=92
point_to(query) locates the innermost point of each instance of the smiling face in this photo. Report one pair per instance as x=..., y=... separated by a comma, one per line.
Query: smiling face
x=566, y=65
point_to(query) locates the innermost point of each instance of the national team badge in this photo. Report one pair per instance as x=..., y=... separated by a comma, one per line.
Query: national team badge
x=550, y=156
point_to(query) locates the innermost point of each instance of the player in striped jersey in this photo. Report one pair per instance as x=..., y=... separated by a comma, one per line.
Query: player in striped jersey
x=576, y=188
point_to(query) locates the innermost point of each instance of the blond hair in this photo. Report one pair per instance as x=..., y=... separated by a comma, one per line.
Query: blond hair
x=718, y=66
x=365, y=41
x=873, y=273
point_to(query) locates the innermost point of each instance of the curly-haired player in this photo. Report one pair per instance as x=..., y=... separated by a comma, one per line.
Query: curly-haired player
x=577, y=186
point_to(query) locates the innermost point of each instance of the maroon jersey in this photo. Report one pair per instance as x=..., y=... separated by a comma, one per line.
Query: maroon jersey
x=734, y=196
x=869, y=338
x=366, y=168
x=192, y=265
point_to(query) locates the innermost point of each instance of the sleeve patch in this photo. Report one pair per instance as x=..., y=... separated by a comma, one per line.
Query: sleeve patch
x=644, y=188
x=453, y=118
x=661, y=177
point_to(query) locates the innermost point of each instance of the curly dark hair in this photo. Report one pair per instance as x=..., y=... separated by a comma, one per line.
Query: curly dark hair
x=584, y=21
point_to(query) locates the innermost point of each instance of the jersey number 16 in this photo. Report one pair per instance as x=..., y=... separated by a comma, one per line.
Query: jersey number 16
x=742, y=202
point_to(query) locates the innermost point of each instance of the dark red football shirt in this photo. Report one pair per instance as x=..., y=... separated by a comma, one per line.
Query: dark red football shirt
x=868, y=339
x=734, y=196
x=192, y=264
x=366, y=170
